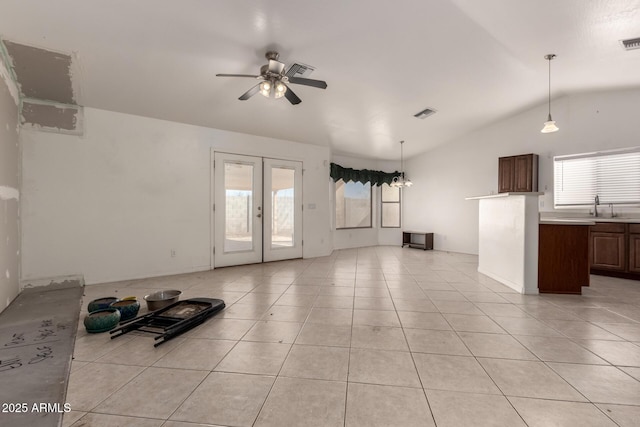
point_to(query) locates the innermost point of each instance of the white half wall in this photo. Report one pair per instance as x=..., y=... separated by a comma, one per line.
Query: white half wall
x=468, y=166
x=10, y=185
x=113, y=203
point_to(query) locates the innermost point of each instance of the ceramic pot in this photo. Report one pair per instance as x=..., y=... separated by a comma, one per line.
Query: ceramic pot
x=128, y=308
x=102, y=320
x=100, y=303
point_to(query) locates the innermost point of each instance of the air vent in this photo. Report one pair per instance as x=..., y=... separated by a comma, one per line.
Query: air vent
x=630, y=44
x=425, y=113
x=299, y=70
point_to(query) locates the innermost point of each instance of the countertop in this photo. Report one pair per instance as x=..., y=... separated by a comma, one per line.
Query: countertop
x=590, y=219
x=558, y=221
x=493, y=196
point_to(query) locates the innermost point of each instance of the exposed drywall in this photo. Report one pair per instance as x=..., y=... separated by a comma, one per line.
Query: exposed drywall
x=112, y=204
x=376, y=235
x=469, y=166
x=41, y=74
x=9, y=190
x=50, y=117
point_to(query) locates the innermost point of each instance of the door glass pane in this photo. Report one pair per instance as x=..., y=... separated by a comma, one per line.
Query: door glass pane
x=282, y=197
x=238, y=229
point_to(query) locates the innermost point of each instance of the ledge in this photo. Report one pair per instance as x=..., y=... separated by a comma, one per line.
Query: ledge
x=493, y=196
x=566, y=222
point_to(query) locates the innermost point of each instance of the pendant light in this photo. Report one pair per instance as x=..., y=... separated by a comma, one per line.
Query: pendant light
x=401, y=181
x=550, y=124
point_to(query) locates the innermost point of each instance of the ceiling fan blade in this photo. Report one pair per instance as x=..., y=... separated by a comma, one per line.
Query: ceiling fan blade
x=237, y=75
x=308, y=82
x=248, y=94
x=292, y=97
x=275, y=66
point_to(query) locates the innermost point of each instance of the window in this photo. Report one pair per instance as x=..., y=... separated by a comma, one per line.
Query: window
x=353, y=204
x=613, y=176
x=390, y=206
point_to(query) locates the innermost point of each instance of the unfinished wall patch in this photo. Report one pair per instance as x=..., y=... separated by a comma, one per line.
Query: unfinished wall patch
x=51, y=117
x=8, y=193
x=41, y=74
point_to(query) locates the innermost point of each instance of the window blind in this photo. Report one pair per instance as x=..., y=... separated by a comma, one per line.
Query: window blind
x=613, y=176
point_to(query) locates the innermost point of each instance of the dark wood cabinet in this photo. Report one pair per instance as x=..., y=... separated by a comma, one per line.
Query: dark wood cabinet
x=518, y=173
x=506, y=170
x=634, y=248
x=563, y=266
x=607, y=251
x=614, y=249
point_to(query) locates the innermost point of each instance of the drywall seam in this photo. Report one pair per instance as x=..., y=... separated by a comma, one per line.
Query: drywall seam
x=7, y=75
x=9, y=193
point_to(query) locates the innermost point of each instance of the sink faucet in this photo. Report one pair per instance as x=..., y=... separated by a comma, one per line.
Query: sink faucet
x=596, y=202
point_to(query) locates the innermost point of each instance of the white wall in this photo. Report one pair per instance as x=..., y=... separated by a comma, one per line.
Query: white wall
x=468, y=166
x=112, y=204
x=361, y=237
x=9, y=190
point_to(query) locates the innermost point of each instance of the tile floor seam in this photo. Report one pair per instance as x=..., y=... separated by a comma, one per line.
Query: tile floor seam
x=279, y=370
x=187, y=397
x=415, y=366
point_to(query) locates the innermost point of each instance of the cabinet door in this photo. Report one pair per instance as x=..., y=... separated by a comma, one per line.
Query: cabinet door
x=506, y=167
x=608, y=251
x=634, y=253
x=523, y=173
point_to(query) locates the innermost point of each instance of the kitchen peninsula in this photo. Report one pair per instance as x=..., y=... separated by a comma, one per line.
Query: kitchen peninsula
x=508, y=239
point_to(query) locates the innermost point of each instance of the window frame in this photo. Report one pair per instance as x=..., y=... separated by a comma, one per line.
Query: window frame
x=335, y=213
x=383, y=202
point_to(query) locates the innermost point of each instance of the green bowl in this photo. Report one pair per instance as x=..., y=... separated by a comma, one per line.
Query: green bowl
x=100, y=303
x=128, y=308
x=102, y=320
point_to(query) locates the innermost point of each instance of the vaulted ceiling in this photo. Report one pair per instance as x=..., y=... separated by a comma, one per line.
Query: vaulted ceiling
x=475, y=62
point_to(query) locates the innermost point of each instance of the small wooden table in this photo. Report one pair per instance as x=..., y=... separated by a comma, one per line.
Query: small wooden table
x=407, y=240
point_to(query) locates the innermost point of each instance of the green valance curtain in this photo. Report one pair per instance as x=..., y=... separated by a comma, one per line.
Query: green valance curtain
x=361, y=175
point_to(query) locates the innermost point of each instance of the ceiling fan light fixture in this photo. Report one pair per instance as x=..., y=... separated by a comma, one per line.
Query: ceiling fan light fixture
x=281, y=89
x=265, y=88
x=273, y=80
x=550, y=124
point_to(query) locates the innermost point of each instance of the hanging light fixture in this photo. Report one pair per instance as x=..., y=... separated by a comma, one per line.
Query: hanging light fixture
x=272, y=86
x=401, y=181
x=550, y=124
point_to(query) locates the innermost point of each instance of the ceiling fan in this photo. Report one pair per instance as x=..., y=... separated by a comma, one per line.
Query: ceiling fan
x=274, y=81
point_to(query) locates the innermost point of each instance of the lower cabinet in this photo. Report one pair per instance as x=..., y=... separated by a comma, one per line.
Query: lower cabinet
x=614, y=249
x=634, y=253
x=563, y=266
x=607, y=251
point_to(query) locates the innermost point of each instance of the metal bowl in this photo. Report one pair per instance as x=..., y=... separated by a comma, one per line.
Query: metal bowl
x=162, y=299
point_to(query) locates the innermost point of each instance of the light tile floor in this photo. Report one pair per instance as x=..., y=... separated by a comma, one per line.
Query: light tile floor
x=377, y=336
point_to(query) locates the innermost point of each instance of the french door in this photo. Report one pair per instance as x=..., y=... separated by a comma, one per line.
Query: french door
x=257, y=210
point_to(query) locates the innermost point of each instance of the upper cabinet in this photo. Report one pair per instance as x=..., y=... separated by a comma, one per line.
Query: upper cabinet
x=518, y=173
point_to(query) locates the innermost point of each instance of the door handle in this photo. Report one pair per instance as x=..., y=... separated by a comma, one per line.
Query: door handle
x=259, y=215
